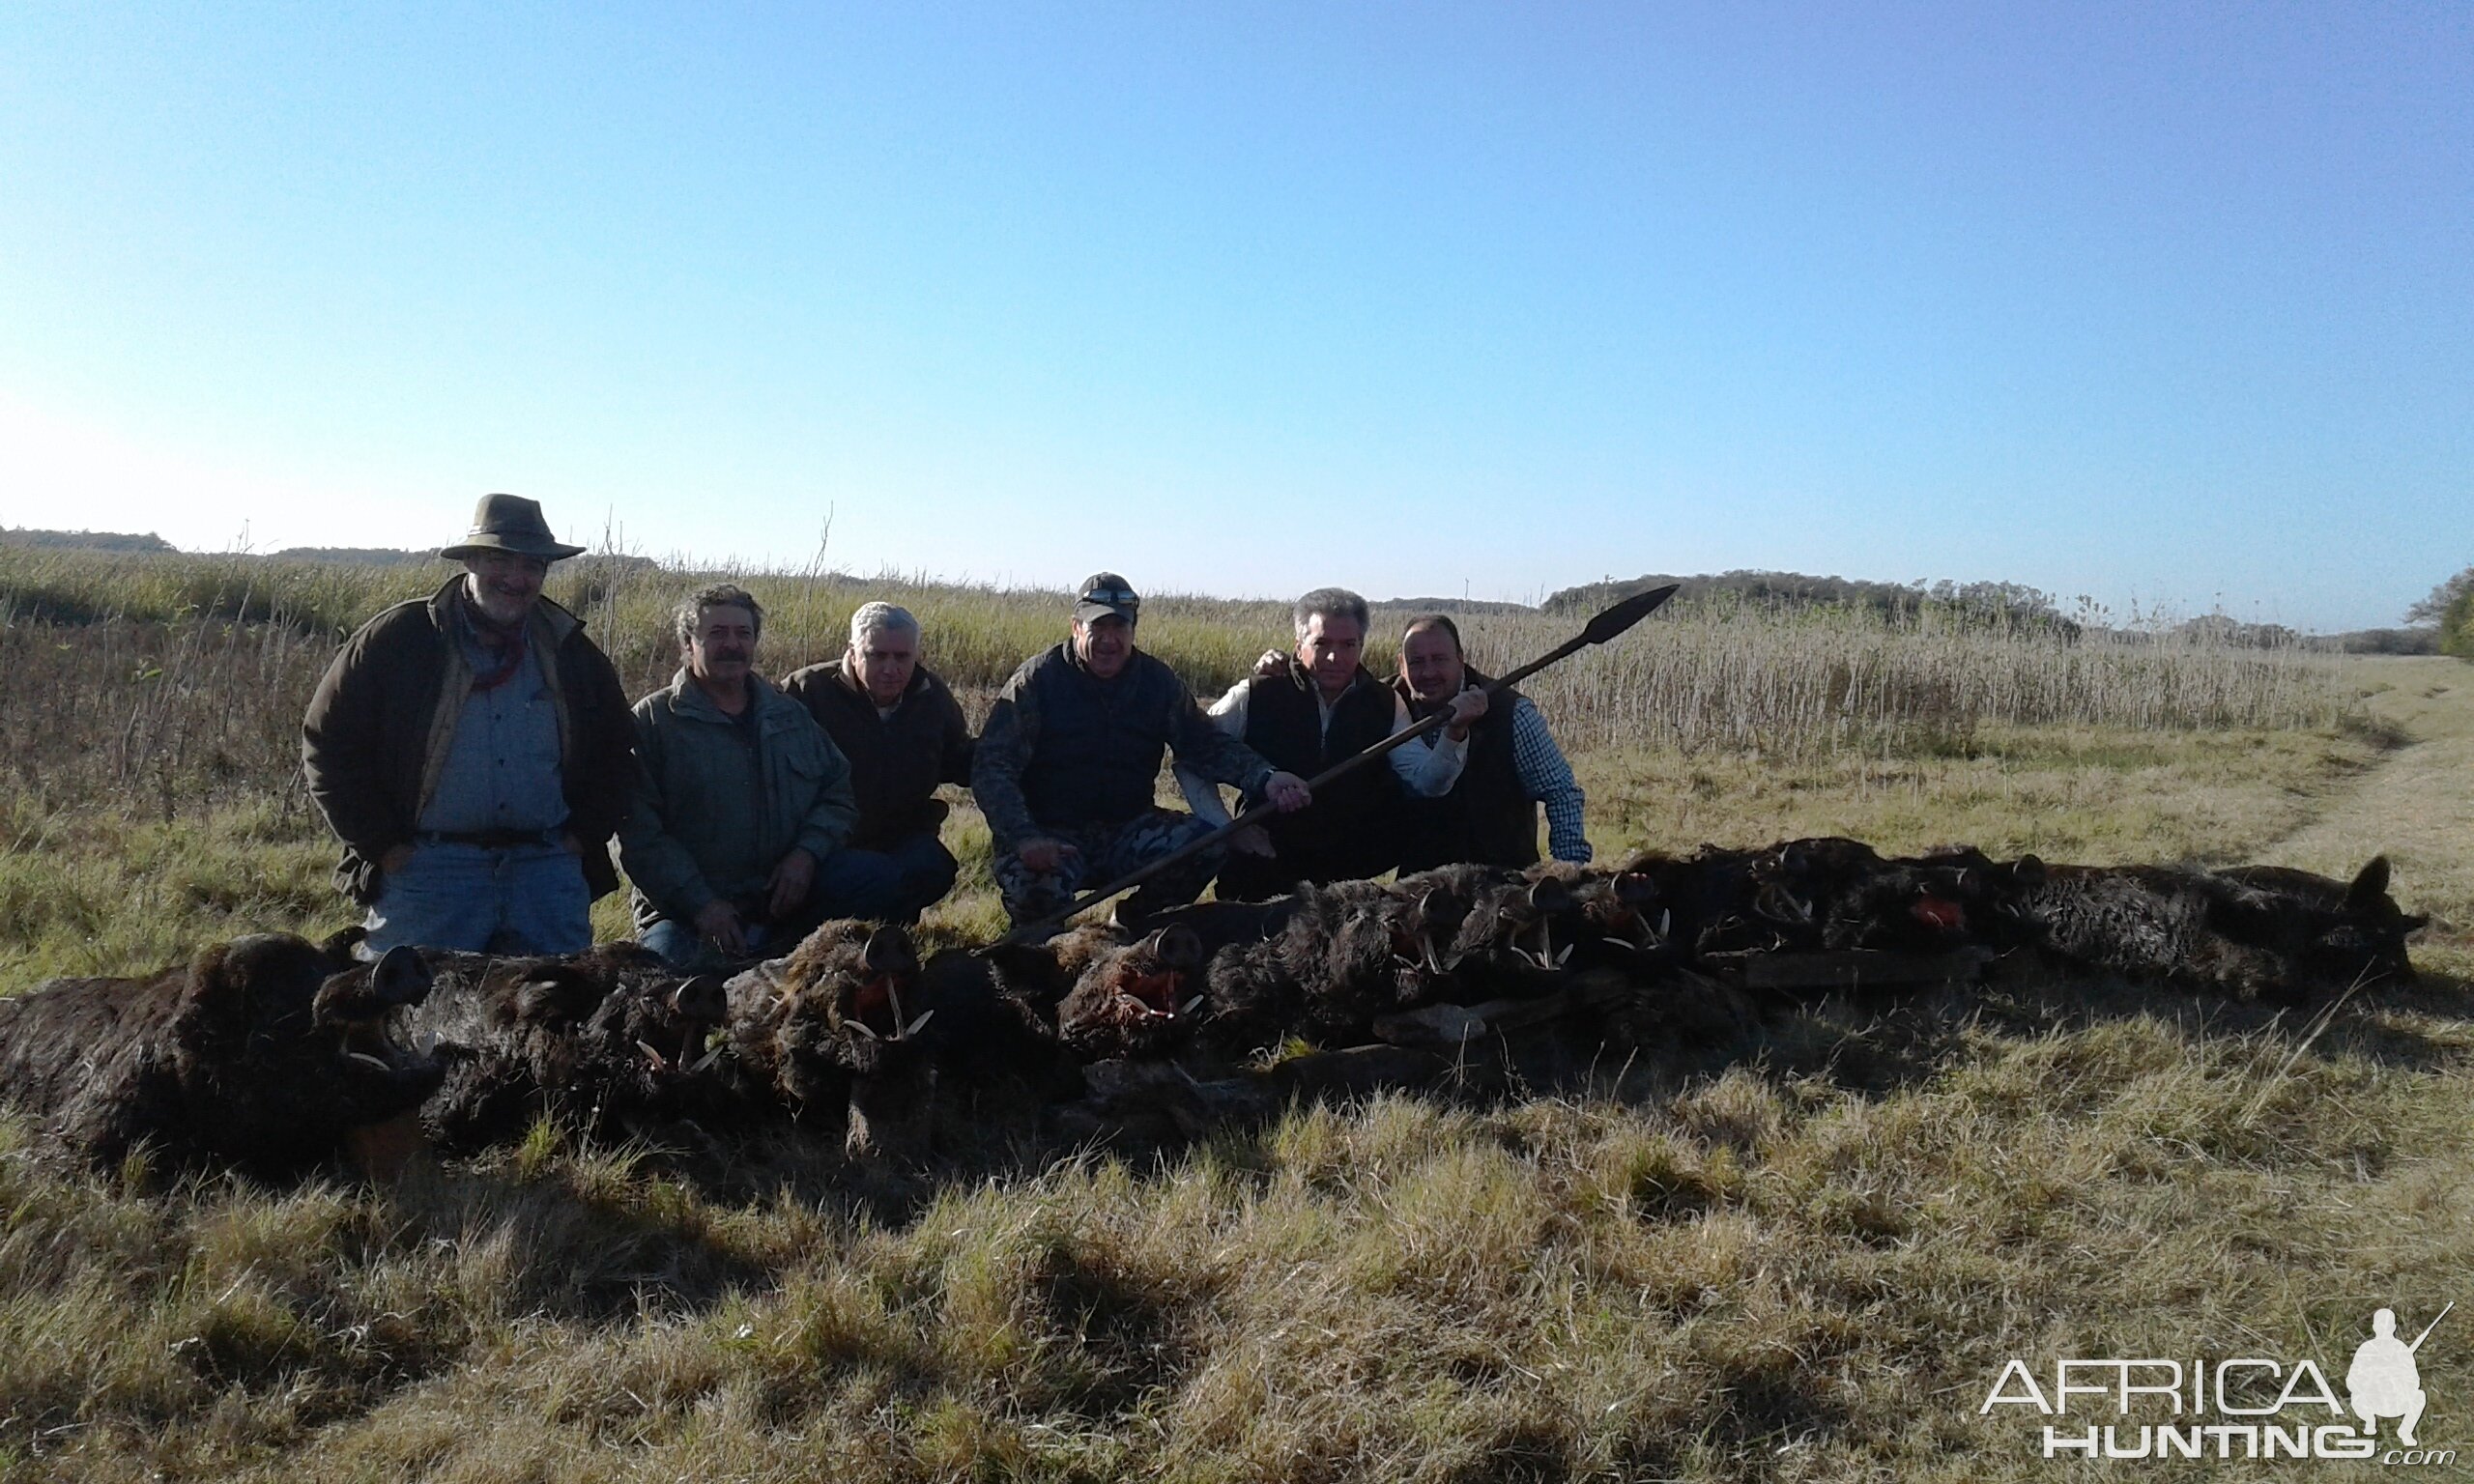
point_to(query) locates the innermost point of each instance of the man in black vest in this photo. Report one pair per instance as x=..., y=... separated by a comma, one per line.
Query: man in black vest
x=1318, y=706
x=1514, y=765
x=1068, y=762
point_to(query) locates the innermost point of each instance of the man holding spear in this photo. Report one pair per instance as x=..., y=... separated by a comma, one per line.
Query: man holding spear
x=1513, y=766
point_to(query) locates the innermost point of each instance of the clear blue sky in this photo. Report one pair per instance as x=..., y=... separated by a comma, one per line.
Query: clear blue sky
x=2165, y=303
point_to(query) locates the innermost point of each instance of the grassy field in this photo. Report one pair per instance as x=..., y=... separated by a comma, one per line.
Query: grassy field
x=1805, y=1258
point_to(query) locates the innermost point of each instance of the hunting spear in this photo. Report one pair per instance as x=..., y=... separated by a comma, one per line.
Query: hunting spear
x=1607, y=626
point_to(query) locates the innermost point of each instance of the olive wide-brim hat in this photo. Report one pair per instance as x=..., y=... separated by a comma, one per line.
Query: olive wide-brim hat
x=509, y=523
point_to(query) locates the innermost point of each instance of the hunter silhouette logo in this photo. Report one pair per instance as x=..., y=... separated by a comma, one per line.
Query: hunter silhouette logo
x=2230, y=1408
x=2383, y=1381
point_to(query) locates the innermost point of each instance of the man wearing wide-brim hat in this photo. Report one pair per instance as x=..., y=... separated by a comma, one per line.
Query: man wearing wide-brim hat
x=474, y=752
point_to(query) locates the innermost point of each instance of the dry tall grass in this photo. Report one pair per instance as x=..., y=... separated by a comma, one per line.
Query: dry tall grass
x=1803, y=1257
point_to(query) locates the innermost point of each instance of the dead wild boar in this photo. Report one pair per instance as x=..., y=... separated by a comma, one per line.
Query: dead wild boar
x=992, y=1027
x=832, y=1028
x=1626, y=922
x=1516, y=940
x=2252, y=933
x=1831, y=893
x=1136, y=999
x=264, y=1053
x=1348, y=951
x=609, y=1041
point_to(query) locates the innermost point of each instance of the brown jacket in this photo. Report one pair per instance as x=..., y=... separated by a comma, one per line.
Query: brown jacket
x=896, y=762
x=377, y=734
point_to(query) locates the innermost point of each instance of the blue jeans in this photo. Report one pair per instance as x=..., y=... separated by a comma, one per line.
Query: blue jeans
x=875, y=885
x=900, y=881
x=520, y=899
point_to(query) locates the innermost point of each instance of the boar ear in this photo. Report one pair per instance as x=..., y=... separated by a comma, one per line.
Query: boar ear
x=2028, y=871
x=888, y=952
x=2368, y=887
x=1179, y=945
x=401, y=976
x=215, y=1002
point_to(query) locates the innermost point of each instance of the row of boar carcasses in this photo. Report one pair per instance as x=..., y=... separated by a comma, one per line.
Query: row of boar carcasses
x=272, y=1054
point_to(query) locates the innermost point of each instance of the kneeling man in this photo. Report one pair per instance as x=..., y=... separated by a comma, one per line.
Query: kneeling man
x=1513, y=766
x=1306, y=712
x=1068, y=766
x=742, y=805
x=904, y=734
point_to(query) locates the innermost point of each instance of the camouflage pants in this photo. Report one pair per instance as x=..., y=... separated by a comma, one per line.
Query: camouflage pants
x=1101, y=853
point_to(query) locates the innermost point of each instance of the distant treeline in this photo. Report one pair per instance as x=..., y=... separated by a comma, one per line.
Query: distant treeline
x=84, y=540
x=2388, y=641
x=2007, y=605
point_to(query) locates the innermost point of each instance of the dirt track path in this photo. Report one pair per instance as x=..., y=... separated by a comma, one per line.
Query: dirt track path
x=2417, y=806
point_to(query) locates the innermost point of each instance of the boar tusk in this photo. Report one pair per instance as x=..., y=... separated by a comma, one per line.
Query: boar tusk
x=711, y=1057
x=660, y=1061
x=1188, y=1008
x=861, y=1026
x=912, y=1029
x=363, y=1056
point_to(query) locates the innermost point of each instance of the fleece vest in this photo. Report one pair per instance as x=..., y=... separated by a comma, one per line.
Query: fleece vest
x=1097, y=758
x=1284, y=723
x=1487, y=817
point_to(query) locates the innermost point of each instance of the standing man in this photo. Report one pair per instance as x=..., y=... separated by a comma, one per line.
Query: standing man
x=1492, y=813
x=1317, y=707
x=904, y=734
x=1069, y=762
x=742, y=803
x=471, y=751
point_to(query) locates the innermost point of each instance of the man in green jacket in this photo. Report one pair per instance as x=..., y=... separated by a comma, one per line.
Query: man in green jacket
x=742, y=803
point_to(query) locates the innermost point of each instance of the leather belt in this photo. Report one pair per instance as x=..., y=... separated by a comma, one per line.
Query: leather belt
x=487, y=839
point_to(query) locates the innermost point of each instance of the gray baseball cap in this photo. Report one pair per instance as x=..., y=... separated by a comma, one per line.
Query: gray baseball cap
x=1103, y=595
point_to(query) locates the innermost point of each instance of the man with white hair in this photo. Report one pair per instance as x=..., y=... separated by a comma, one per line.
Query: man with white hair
x=904, y=734
x=1305, y=712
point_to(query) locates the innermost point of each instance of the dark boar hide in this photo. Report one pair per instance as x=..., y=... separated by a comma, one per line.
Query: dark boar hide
x=609, y=1041
x=263, y=1053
